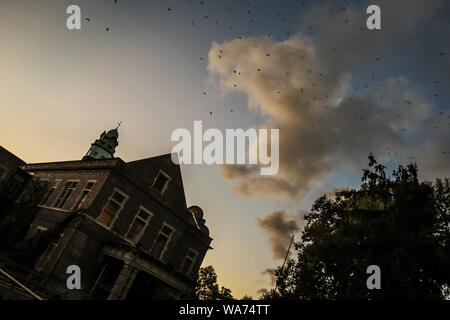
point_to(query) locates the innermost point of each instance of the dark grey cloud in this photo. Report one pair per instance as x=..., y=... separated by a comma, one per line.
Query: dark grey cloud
x=271, y=273
x=279, y=226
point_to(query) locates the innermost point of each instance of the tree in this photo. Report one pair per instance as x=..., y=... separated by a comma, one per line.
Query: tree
x=16, y=218
x=396, y=223
x=271, y=294
x=207, y=288
x=28, y=250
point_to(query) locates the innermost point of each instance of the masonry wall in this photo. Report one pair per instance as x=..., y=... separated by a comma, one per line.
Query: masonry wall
x=10, y=165
x=84, y=241
x=185, y=236
x=82, y=178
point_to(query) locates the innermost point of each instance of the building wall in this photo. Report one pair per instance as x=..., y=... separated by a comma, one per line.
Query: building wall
x=85, y=240
x=181, y=240
x=82, y=178
x=9, y=166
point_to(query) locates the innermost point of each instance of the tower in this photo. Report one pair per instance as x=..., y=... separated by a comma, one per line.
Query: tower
x=105, y=146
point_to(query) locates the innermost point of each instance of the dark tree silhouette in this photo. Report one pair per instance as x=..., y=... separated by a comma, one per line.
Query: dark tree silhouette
x=28, y=250
x=396, y=223
x=16, y=218
x=207, y=288
x=15, y=223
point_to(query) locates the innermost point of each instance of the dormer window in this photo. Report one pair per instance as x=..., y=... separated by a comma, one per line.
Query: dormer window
x=161, y=182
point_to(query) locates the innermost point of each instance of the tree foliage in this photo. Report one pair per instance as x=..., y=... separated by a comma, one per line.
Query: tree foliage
x=15, y=222
x=397, y=223
x=207, y=288
x=16, y=218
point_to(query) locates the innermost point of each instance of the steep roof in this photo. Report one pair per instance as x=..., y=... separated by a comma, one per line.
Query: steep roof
x=12, y=157
x=144, y=172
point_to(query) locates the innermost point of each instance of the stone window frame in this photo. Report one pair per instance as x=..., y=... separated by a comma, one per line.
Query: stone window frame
x=39, y=229
x=52, y=246
x=47, y=255
x=166, y=245
x=47, y=192
x=193, y=261
x=4, y=173
x=122, y=205
x=69, y=197
x=166, y=185
x=141, y=233
x=55, y=186
x=15, y=183
x=77, y=203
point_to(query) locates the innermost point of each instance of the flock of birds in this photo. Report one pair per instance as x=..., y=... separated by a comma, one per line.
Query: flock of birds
x=295, y=24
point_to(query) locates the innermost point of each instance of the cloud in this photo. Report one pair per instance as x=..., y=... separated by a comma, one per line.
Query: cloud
x=279, y=226
x=324, y=94
x=271, y=273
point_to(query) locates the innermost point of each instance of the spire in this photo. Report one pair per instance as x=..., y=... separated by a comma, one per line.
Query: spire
x=105, y=146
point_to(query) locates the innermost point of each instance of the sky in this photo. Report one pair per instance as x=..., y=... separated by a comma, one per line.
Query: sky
x=335, y=90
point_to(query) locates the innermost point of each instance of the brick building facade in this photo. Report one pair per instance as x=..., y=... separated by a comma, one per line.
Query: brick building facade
x=134, y=237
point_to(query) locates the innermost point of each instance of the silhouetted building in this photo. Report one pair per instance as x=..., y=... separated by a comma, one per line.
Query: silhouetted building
x=135, y=238
x=12, y=179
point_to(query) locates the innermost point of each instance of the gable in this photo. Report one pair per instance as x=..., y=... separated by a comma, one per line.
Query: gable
x=144, y=172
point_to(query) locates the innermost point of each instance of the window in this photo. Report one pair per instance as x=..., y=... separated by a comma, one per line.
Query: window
x=45, y=199
x=84, y=194
x=161, y=181
x=162, y=241
x=53, y=245
x=139, y=224
x=2, y=172
x=47, y=196
x=114, y=205
x=39, y=230
x=14, y=185
x=189, y=261
x=65, y=194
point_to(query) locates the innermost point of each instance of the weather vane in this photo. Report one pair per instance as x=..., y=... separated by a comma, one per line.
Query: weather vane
x=118, y=124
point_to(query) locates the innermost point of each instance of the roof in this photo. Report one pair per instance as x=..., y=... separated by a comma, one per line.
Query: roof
x=11, y=156
x=141, y=174
x=73, y=165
